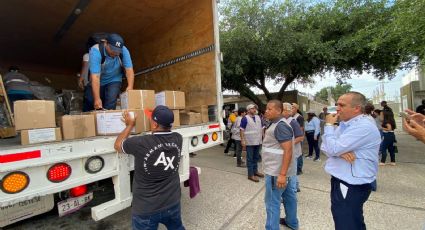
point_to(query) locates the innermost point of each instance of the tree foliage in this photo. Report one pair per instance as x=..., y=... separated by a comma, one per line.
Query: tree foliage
x=336, y=92
x=287, y=41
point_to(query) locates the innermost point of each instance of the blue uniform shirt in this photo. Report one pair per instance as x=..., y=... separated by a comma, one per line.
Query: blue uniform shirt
x=313, y=125
x=362, y=138
x=111, y=70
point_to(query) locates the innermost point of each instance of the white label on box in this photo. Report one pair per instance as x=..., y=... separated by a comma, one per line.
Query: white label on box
x=160, y=98
x=41, y=135
x=111, y=123
x=124, y=100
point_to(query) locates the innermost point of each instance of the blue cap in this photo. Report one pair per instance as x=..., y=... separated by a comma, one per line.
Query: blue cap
x=116, y=42
x=163, y=116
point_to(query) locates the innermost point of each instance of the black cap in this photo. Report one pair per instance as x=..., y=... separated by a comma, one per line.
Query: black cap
x=163, y=116
x=116, y=42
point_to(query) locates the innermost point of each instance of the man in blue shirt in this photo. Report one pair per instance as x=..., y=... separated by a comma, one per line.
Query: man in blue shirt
x=106, y=72
x=352, y=149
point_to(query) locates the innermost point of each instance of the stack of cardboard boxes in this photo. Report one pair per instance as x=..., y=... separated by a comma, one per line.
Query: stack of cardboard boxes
x=36, y=118
x=36, y=121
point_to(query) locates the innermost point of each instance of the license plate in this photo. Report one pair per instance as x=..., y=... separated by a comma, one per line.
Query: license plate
x=73, y=204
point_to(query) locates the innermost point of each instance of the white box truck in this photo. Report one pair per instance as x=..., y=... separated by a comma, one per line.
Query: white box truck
x=174, y=46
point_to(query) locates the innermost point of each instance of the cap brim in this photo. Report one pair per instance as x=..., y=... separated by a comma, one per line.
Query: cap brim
x=116, y=49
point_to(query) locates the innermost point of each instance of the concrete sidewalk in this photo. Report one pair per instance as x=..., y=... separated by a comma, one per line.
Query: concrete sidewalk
x=229, y=201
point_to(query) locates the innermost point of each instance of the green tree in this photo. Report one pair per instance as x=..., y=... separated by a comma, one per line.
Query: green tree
x=336, y=92
x=287, y=41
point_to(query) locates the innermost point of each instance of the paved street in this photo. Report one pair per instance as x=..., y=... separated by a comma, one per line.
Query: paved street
x=229, y=201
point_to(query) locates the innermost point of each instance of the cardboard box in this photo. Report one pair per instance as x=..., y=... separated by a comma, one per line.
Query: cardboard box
x=78, y=126
x=190, y=118
x=110, y=122
x=202, y=109
x=34, y=114
x=176, y=118
x=35, y=136
x=171, y=99
x=138, y=99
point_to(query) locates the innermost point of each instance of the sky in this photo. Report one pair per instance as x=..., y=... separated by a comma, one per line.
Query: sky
x=365, y=84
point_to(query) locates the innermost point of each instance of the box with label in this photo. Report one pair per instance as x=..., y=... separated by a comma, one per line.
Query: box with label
x=171, y=99
x=110, y=122
x=35, y=136
x=190, y=118
x=138, y=99
x=202, y=109
x=78, y=126
x=34, y=114
x=176, y=118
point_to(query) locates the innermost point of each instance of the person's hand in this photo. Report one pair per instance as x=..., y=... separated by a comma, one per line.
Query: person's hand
x=414, y=129
x=281, y=181
x=315, y=138
x=129, y=88
x=349, y=157
x=97, y=104
x=331, y=118
x=81, y=83
x=129, y=118
x=417, y=117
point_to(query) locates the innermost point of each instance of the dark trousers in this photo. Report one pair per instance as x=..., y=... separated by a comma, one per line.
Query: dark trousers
x=238, y=151
x=88, y=102
x=171, y=218
x=300, y=163
x=229, y=143
x=313, y=144
x=18, y=97
x=388, y=144
x=348, y=212
x=109, y=94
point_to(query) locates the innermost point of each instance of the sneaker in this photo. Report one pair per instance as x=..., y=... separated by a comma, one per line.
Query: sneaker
x=392, y=163
x=317, y=160
x=298, y=190
x=308, y=157
x=258, y=174
x=283, y=222
x=381, y=164
x=299, y=173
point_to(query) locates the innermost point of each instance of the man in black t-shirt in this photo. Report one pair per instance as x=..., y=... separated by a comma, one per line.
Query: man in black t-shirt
x=156, y=182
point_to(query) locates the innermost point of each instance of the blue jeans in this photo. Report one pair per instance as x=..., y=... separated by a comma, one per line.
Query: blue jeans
x=388, y=144
x=272, y=201
x=252, y=157
x=109, y=94
x=171, y=218
x=88, y=102
x=289, y=198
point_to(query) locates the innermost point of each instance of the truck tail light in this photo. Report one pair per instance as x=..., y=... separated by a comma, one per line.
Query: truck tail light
x=59, y=172
x=194, y=141
x=214, y=136
x=205, y=138
x=14, y=182
x=78, y=191
x=94, y=164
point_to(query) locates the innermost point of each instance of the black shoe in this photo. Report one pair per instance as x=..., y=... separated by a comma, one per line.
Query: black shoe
x=299, y=173
x=226, y=151
x=298, y=190
x=241, y=165
x=283, y=222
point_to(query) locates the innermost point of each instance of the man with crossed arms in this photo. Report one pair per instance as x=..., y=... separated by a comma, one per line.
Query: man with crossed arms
x=352, y=150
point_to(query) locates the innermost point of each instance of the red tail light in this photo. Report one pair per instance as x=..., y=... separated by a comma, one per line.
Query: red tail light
x=78, y=191
x=59, y=172
x=205, y=138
